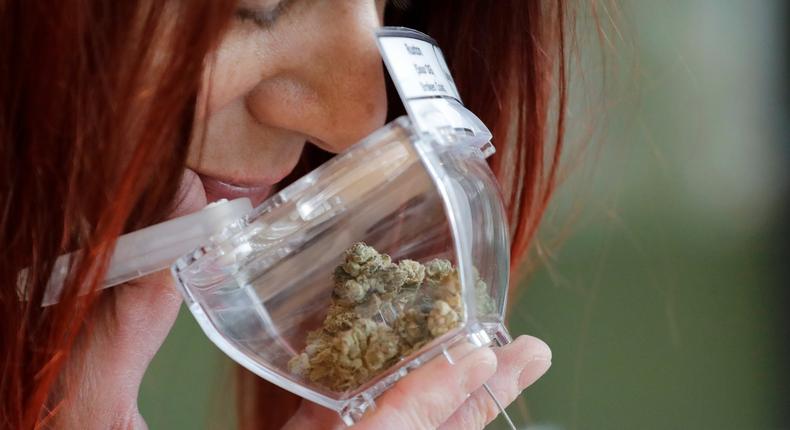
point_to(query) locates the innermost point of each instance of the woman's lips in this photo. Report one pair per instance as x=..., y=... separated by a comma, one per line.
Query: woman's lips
x=256, y=189
x=217, y=189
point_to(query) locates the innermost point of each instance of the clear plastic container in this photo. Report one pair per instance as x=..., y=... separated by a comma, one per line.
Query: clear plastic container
x=260, y=287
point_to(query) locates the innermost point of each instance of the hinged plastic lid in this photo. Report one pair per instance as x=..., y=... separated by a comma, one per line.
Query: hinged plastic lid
x=154, y=248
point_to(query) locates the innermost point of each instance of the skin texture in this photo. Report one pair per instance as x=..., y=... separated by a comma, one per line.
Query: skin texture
x=314, y=75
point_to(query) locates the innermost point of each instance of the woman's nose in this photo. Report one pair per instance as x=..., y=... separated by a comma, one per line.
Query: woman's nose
x=330, y=84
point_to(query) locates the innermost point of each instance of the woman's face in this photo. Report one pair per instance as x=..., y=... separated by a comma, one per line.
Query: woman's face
x=286, y=72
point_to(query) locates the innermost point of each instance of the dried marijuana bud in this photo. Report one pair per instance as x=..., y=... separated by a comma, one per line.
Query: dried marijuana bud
x=380, y=312
x=438, y=269
x=413, y=271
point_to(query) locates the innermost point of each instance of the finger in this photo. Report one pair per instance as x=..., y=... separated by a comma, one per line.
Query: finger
x=520, y=364
x=430, y=394
x=313, y=416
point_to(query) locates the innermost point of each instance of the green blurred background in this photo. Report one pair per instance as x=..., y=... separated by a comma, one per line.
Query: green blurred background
x=658, y=270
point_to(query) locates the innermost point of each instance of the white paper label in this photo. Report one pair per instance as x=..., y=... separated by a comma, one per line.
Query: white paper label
x=418, y=68
x=426, y=88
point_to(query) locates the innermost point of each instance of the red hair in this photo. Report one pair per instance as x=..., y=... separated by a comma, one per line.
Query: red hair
x=89, y=112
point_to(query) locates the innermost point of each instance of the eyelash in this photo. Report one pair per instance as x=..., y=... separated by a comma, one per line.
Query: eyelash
x=264, y=19
x=267, y=19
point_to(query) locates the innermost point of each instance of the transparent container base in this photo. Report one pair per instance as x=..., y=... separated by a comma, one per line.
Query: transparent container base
x=483, y=336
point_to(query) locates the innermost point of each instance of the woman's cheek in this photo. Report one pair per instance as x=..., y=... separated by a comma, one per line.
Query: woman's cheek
x=231, y=72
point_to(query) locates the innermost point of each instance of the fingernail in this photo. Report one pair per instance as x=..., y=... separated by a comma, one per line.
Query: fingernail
x=534, y=369
x=536, y=348
x=538, y=362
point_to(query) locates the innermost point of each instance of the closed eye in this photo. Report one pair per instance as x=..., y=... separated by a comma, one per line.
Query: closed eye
x=264, y=18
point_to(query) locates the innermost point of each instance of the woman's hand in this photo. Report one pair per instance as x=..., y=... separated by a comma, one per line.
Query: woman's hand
x=129, y=324
x=446, y=396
